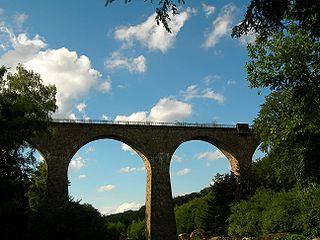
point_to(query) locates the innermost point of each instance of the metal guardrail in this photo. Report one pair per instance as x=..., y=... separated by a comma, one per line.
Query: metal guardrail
x=144, y=123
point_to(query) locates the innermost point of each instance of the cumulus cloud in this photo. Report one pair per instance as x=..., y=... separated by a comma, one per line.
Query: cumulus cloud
x=166, y=109
x=71, y=74
x=217, y=154
x=183, y=172
x=221, y=26
x=121, y=208
x=208, y=9
x=105, y=86
x=128, y=206
x=22, y=49
x=106, y=188
x=153, y=36
x=127, y=148
x=76, y=164
x=137, y=116
x=131, y=169
x=117, y=60
x=192, y=92
x=81, y=107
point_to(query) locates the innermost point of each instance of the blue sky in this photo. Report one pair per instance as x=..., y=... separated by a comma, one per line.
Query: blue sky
x=115, y=63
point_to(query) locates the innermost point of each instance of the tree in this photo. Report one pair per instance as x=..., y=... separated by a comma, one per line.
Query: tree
x=136, y=230
x=268, y=16
x=38, y=188
x=289, y=121
x=223, y=193
x=25, y=109
x=295, y=211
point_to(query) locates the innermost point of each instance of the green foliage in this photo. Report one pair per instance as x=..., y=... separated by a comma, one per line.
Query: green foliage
x=115, y=230
x=289, y=121
x=38, y=188
x=268, y=16
x=71, y=221
x=296, y=211
x=224, y=191
x=136, y=230
x=126, y=217
x=189, y=215
x=25, y=109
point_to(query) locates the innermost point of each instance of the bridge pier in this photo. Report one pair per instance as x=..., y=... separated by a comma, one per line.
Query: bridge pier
x=156, y=145
x=160, y=219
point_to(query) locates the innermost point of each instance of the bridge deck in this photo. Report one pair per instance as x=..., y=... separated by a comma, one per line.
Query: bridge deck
x=148, y=123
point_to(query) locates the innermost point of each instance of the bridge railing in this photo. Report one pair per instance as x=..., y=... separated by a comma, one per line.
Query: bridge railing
x=144, y=123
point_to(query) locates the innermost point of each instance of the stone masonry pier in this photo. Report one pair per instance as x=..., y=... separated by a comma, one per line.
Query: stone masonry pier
x=155, y=143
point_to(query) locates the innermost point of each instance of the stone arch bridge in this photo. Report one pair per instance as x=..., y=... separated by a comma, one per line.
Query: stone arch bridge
x=155, y=143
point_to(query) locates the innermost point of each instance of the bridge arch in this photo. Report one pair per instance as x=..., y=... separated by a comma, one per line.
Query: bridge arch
x=222, y=146
x=104, y=175
x=155, y=143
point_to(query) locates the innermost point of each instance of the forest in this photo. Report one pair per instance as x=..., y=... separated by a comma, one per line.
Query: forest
x=278, y=198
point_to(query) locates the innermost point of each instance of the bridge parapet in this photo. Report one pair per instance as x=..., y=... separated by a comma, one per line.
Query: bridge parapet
x=146, y=123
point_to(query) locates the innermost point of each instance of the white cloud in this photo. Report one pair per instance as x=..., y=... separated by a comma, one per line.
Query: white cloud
x=81, y=107
x=137, y=65
x=22, y=49
x=211, y=78
x=217, y=154
x=192, y=92
x=105, y=86
x=71, y=74
x=72, y=116
x=137, y=116
x=168, y=109
x=208, y=93
x=106, y=188
x=131, y=169
x=208, y=9
x=121, y=208
x=231, y=82
x=76, y=164
x=128, y=206
x=82, y=176
x=105, y=117
x=221, y=26
x=176, y=158
x=151, y=35
x=20, y=19
x=90, y=149
x=126, y=147
x=183, y=172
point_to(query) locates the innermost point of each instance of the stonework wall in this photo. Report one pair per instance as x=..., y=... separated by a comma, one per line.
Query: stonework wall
x=156, y=146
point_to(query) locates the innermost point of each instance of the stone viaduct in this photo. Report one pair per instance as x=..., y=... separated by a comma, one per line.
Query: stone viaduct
x=155, y=143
